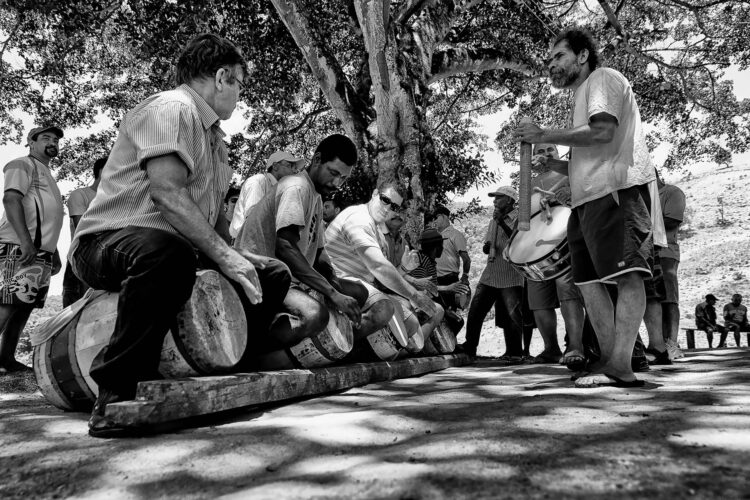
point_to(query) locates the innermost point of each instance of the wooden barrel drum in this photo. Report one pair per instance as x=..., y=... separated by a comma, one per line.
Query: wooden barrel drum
x=210, y=336
x=329, y=345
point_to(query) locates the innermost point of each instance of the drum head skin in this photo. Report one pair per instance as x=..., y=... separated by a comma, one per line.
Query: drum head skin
x=542, y=238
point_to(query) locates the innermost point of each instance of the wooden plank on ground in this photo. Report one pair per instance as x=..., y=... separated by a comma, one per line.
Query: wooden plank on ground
x=162, y=401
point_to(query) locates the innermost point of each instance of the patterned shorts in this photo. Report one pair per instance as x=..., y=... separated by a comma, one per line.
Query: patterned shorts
x=23, y=285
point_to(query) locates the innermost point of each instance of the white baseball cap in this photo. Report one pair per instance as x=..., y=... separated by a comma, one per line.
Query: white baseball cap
x=285, y=156
x=505, y=190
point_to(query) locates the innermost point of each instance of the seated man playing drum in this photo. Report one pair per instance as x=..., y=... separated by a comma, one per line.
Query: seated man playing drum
x=288, y=223
x=158, y=207
x=355, y=244
x=552, y=188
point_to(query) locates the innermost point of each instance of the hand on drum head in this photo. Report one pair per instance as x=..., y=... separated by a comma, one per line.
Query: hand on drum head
x=422, y=302
x=239, y=268
x=348, y=306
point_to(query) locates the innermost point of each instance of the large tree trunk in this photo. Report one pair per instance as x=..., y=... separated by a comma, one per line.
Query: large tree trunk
x=398, y=119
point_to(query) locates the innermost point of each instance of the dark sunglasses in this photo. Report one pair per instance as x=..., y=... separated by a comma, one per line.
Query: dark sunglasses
x=389, y=203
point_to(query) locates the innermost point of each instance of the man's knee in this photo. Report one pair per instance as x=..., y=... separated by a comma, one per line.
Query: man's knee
x=312, y=315
x=380, y=312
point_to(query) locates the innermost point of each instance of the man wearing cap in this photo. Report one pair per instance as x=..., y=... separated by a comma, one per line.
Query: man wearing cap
x=29, y=230
x=500, y=285
x=612, y=182
x=278, y=165
x=157, y=217
x=705, y=319
x=288, y=224
x=455, y=256
x=424, y=276
x=355, y=244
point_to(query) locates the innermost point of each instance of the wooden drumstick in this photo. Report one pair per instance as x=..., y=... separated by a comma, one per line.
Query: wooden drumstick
x=524, y=188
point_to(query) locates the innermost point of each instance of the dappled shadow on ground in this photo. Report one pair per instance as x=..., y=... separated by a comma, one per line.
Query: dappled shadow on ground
x=482, y=431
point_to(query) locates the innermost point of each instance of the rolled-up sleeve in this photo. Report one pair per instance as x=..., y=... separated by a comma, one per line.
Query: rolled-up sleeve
x=164, y=129
x=605, y=94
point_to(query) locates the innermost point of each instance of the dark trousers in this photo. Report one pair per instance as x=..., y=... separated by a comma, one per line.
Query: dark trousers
x=507, y=302
x=73, y=288
x=448, y=298
x=154, y=272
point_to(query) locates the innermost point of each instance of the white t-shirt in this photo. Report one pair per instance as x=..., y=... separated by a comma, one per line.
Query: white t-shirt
x=42, y=203
x=450, y=261
x=294, y=202
x=352, y=229
x=599, y=170
x=253, y=190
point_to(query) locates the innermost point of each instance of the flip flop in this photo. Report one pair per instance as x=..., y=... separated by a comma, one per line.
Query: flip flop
x=574, y=360
x=604, y=380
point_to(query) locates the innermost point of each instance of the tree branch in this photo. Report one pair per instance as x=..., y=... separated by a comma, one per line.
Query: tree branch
x=409, y=8
x=325, y=68
x=461, y=60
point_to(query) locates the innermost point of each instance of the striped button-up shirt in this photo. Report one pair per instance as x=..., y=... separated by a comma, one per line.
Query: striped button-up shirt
x=176, y=122
x=499, y=273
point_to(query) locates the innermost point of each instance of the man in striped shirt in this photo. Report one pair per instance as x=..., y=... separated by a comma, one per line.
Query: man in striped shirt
x=500, y=285
x=355, y=244
x=159, y=205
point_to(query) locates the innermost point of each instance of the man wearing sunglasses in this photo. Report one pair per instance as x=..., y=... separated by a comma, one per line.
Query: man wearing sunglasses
x=355, y=243
x=278, y=165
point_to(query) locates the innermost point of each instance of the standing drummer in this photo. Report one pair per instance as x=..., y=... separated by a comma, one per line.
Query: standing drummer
x=610, y=231
x=288, y=223
x=159, y=205
x=546, y=296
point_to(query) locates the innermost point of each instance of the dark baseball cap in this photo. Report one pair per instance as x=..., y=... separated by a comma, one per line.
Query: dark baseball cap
x=441, y=210
x=431, y=235
x=711, y=296
x=38, y=130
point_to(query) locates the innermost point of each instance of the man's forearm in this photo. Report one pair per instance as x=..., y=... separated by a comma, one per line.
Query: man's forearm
x=389, y=276
x=466, y=261
x=582, y=137
x=184, y=215
x=288, y=253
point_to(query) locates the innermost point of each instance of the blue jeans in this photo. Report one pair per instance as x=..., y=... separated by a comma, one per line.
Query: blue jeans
x=154, y=272
x=507, y=302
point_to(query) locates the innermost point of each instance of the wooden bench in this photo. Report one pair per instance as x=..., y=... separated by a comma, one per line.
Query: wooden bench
x=690, y=336
x=162, y=401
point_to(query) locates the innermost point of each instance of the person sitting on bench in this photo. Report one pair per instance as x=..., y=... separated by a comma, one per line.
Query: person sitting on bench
x=705, y=319
x=735, y=320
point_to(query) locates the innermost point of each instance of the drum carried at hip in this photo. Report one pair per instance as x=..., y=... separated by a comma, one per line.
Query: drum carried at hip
x=541, y=253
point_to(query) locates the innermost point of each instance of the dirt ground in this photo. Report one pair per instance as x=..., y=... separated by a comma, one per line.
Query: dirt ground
x=482, y=431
